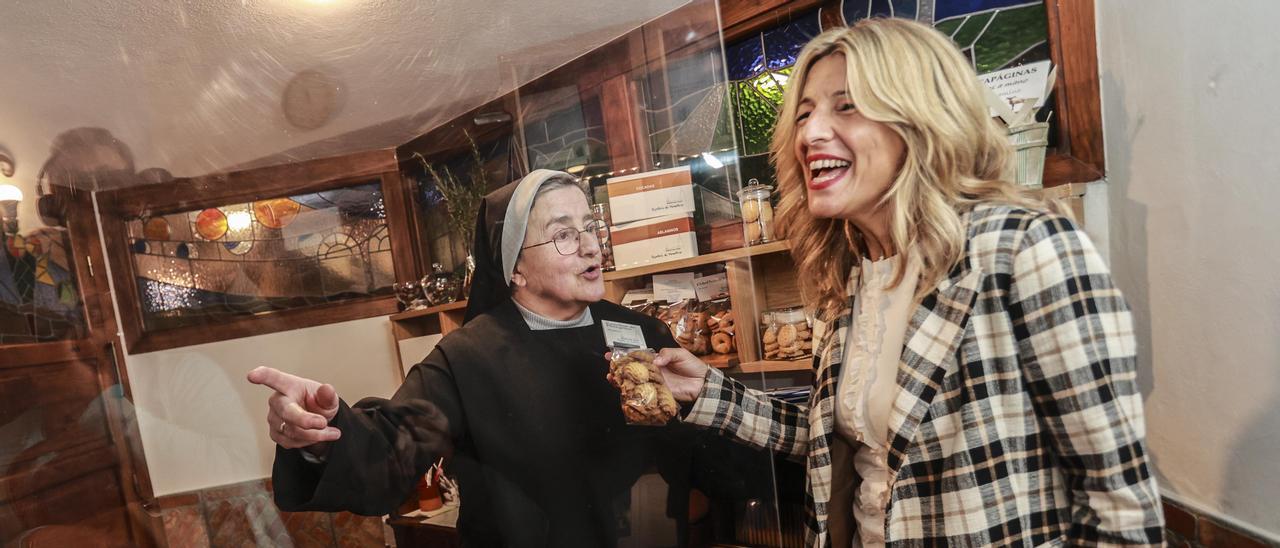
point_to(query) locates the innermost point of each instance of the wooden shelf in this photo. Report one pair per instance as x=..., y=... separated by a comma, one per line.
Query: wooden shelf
x=411, y=314
x=720, y=361
x=774, y=366
x=710, y=258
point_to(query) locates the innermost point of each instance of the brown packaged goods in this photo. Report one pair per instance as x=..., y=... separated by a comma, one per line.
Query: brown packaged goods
x=645, y=398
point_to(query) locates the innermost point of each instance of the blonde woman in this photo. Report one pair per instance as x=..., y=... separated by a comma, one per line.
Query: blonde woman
x=974, y=379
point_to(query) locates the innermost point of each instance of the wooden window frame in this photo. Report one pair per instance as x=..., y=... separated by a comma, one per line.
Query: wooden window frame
x=115, y=206
x=1073, y=47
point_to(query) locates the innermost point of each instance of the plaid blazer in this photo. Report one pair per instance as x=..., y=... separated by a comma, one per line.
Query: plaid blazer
x=1018, y=421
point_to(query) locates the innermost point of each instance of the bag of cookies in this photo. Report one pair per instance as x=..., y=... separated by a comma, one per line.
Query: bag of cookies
x=688, y=324
x=722, y=326
x=646, y=400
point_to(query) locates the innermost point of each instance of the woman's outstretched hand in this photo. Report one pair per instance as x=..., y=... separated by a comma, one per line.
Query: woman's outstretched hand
x=683, y=373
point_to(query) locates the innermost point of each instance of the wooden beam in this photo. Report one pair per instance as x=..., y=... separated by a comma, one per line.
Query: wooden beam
x=741, y=18
x=246, y=186
x=1074, y=50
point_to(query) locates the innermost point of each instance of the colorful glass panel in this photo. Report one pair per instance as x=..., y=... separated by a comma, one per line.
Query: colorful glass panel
x=274, y=254
x=39, y=299
x=994, y=34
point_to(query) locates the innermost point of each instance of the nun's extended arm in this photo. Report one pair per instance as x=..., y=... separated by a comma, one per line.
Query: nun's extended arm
x=386, y=445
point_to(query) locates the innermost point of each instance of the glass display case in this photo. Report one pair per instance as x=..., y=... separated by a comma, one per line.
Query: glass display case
x=269, y=184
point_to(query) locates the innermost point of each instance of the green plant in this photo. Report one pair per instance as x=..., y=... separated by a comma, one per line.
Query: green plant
x=462, y=197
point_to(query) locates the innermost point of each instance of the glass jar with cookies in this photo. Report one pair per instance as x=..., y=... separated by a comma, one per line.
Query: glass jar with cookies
x=786, y=334
x=757, y=213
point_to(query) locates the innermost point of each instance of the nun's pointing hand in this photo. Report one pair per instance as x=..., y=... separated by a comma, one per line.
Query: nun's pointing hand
x=683, y=373
x=299, y=411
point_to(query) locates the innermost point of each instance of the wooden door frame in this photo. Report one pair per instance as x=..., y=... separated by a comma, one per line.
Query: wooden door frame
x=100, y=345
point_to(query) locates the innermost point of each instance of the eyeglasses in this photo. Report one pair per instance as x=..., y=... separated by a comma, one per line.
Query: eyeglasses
x=568, y=240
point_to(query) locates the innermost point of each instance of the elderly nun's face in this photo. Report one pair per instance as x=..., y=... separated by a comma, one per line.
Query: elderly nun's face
x=551, y=278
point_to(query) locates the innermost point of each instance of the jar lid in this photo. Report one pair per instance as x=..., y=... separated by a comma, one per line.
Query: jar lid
x=755, y=189
x=792, y=314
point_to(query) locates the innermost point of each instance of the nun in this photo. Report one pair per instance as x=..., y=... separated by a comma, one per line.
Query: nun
x=516, y=399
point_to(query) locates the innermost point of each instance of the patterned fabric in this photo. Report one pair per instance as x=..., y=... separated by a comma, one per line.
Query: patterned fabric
x=1019, y=421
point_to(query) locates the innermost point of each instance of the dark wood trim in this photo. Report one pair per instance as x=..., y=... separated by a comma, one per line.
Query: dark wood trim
x=1188, y=526
x=448, y=139
x=621, y=123
x=72, y=462
x=19, y=355
x=247, y=186
x=397, y=196
x=1073, y=47
x=116, y=243
x=741, y=18
x=1061, y=169
x=104, y=341
x=261, y=324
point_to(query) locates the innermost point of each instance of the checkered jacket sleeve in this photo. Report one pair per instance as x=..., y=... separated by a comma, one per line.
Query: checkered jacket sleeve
x=751, y=416
x=1077, y=349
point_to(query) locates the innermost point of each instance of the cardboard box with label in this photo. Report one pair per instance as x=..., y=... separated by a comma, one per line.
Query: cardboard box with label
x=656, y=240
x=650, y=194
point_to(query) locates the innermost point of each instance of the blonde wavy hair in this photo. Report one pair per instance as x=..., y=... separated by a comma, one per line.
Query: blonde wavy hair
x=913, y=79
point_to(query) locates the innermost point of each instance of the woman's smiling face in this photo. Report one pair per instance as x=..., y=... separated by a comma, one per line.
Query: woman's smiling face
x=849, y=161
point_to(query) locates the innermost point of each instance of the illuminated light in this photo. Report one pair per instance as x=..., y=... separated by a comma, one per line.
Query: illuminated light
x=239, y=220
x=711, y=160
x=770, y=81
x=576, y=169
x=10, y=193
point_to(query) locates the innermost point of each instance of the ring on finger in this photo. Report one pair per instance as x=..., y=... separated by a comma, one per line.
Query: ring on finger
x=281, y=428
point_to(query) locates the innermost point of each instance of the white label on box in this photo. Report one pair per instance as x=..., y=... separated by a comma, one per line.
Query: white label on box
x=673, y=288
x=710, y=288
x=622, y=334
x=656, y=250
x=650, y=194
x=654, y=241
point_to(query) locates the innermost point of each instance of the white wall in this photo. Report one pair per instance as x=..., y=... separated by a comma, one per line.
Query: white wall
x=1190, y=109
x=202, y=424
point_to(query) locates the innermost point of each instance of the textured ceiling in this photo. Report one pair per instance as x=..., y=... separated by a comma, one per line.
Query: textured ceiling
x=196, y=86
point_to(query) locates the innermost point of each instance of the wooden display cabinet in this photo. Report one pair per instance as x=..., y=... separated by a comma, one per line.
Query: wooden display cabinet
x=761, y=277
x=433, y=320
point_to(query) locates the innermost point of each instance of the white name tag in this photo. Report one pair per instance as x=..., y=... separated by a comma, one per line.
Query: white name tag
x=623, y=334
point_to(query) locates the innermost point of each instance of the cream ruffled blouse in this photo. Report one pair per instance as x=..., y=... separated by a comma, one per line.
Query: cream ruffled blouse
x=864, y=397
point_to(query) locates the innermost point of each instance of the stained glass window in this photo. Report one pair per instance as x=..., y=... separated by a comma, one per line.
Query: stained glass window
x=993, y=34
x=195, y=267
x=759, y=67
x=996, y=34
x=39, y=298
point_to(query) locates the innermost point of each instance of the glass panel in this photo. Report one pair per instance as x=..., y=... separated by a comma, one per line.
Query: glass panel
x=234, y=260
x=443, y=233
x=757, y=93
x=39, y=297
x=238, y=100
